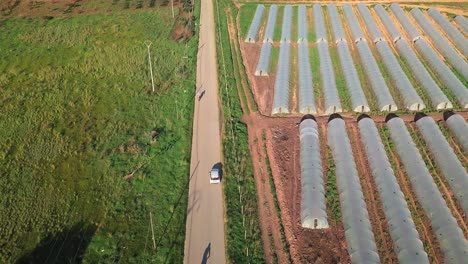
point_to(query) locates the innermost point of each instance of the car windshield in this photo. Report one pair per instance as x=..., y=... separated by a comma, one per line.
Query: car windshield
x=214, y=174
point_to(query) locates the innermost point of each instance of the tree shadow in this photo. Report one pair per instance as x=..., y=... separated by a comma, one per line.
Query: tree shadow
x=67, y=246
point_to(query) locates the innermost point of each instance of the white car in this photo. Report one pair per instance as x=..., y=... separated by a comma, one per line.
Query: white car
x=215, y=176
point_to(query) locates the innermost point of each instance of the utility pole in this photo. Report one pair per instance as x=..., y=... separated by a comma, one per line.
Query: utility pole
x=152, y=231
x=148, y=44
x=172, y=4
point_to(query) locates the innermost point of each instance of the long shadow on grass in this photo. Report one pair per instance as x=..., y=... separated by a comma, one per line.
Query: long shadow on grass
x=67, y=246
x=176, y=205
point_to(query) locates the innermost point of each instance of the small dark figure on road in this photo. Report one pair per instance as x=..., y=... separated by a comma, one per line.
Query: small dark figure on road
x=206, y=254
x=200, y=95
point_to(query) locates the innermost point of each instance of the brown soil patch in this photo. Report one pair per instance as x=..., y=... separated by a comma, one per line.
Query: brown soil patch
x=262, y=86
x=181, y=33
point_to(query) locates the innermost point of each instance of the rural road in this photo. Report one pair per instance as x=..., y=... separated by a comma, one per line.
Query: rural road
x=204, y=234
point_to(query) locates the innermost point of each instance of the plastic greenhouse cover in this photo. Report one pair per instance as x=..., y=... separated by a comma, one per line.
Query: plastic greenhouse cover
x=271, y=22
x=449, y=235
x=337, y=27
x=255, y=25
x=378, y=85
x=441, y=43
x=313, y=204
x=302, y=24
x=306, y=88
x=446, y=159
x=405, y=22
x=264, y=60
x=444, y=73
x=408, y=245
x=320, y=32
x=358, y=99
x=388, y=23
x=457, y=125
x=358, y=229
x=457, y=37
x=281, y=97
x=286, y=28
x=462, y=23
x=374, y=31
x=438, y=98
x=332, y=100
x=353, y=23
x=411, y=99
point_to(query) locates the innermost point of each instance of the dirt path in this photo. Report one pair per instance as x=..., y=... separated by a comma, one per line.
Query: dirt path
x=269, y=221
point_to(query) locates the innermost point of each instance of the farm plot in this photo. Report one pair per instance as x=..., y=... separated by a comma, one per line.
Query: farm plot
x=405, y=215
x=404, y=80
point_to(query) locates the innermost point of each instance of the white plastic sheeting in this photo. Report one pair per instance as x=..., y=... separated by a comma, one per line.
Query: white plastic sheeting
x=411, y=99
x=287, y=23
x=413, y=33
x=449, y=235
x=441, y=43
x=353, y=23
x=306, y=88
x=388, y=23
x=372, y=28
x=446, y=159
x=313, y=204
x=462, y=23
x=320, y=31
x=337, y=27
x=358, y=229
x=263, y=64
x=255, y=25
x=358, y=99
x=377, y=81
x=457, y=125
x=438, y=98
x=443, y=72
x=457, y=37
x=271, y=22
x=302, y=24
x=408, y=246
x=332, y=100
x=327, y=74
x=281, y=97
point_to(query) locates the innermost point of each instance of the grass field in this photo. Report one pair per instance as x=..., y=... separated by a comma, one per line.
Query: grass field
x=89, y=150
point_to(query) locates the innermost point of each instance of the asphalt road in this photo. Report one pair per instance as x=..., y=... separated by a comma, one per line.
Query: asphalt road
x=204, y=241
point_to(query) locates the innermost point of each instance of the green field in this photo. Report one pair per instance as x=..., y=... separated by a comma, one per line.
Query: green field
x=88, y=150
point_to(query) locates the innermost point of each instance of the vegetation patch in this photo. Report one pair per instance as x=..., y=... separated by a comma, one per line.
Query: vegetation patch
x=243, y=231
x=91, y=151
